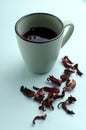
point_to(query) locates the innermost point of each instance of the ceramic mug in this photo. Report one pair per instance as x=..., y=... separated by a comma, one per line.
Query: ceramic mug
x=41, y=57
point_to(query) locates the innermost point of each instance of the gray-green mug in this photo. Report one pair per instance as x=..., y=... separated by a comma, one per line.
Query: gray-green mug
x=41, y=57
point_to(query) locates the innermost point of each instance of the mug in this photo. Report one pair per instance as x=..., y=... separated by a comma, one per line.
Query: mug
x=41, y=56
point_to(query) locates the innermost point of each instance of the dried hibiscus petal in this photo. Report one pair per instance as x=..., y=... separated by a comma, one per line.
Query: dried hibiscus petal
x=27, y=91
x=43, y=117
x=64, y=104
x=70, y=85
x=54, y=80
x=77, y=70
x=67, y=62
x=39, y=96
x=67, y=59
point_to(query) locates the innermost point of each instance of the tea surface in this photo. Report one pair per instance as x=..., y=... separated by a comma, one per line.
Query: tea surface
x=39, y=34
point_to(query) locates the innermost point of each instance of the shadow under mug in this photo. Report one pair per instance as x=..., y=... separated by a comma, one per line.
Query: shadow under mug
x=41, y=57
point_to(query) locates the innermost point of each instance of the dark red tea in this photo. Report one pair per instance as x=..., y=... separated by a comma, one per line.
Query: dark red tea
x=39, y=34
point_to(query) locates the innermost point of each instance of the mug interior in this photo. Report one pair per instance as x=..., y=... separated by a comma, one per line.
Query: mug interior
x=39, y=20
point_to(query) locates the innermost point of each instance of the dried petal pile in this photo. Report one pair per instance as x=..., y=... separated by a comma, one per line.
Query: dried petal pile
x=53, y=93
x=69, y=64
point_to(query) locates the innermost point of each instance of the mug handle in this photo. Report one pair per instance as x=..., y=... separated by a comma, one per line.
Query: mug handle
x=68, y=33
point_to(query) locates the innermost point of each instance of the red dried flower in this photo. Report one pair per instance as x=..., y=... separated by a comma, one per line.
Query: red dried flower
x=27, y=91
x=39, y=96
x=47, y=95
x=64, y=104
x=43, y=117
x=70, y=85
x=67, y=62
x=54, y=80
x=67, y=59
x=77, y=70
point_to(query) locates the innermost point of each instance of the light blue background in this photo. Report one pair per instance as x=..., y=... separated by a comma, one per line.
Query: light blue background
x=17, y=111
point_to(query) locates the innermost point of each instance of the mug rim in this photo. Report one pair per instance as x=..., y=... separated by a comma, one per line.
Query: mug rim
x=38, y=13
